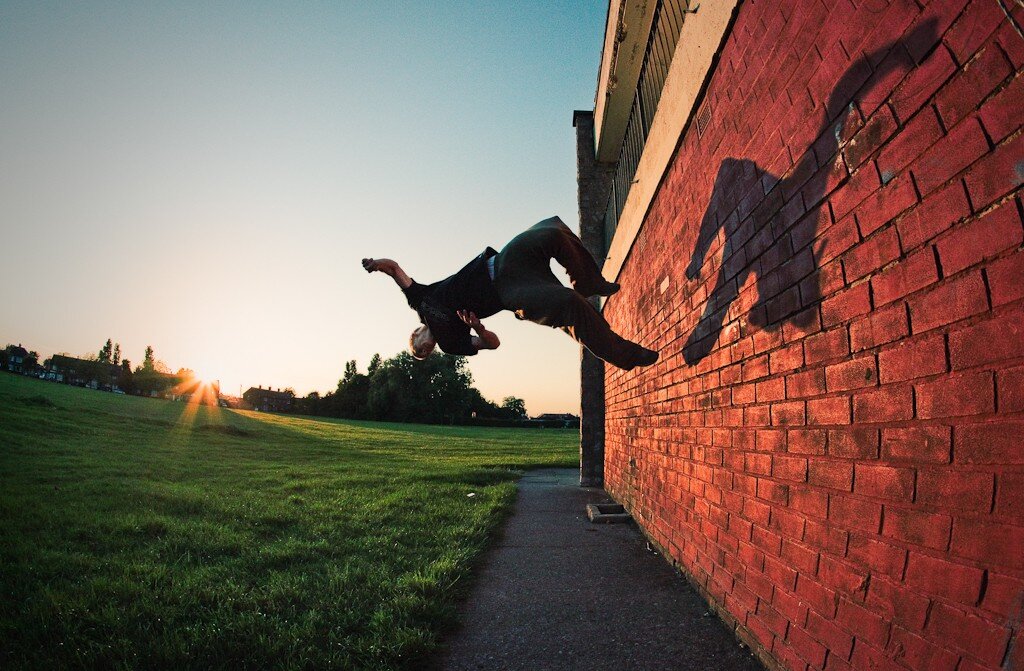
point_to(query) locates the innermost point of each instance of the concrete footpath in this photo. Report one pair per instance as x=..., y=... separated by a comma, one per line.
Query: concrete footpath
x=558, y=592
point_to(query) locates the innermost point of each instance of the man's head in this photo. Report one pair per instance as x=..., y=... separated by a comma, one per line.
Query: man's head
x=421, y=342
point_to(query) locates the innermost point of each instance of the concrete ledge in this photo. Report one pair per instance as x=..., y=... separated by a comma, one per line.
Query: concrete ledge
x=607, y=513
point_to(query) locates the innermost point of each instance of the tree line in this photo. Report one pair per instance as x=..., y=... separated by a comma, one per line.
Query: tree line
x=437, y=390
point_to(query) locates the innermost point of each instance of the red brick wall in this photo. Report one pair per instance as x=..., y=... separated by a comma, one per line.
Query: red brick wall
x=839, y=466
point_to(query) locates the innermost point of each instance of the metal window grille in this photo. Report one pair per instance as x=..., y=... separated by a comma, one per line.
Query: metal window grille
x=665, y=29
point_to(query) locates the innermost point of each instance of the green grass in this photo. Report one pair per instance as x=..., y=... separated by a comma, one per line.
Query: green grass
x=139, y=533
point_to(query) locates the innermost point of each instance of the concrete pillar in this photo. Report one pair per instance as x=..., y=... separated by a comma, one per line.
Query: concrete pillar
x=593, y=181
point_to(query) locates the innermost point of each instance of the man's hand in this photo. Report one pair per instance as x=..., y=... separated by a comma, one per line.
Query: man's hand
x=469, y=318
x=484, y=339
x=388, y=267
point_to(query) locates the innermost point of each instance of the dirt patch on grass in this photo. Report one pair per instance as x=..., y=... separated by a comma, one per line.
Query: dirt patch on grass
x=225, y=430
x=37, y=401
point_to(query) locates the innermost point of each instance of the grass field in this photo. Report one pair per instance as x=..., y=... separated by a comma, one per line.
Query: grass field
x=139, y=533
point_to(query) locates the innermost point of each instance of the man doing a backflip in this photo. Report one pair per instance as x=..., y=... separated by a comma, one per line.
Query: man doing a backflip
x=517, y=278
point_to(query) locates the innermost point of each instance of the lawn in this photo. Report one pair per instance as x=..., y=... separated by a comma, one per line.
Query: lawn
x=140, y=533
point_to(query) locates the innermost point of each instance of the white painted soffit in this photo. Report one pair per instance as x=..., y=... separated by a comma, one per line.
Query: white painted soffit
x=627, y=32
x=700, y=40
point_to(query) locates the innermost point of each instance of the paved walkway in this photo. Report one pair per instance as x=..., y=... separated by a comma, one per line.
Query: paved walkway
x=558, y=592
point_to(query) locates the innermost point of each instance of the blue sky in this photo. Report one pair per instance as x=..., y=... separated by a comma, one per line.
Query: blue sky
x=204, y=177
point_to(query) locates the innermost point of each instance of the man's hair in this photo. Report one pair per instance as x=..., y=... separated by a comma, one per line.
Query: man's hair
x=421, y=345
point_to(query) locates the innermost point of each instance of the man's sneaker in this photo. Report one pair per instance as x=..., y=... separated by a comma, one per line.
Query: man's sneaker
x=606, y=289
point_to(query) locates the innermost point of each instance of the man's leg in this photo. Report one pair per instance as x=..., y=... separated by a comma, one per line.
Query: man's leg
x=530, y=254
x=551, y=304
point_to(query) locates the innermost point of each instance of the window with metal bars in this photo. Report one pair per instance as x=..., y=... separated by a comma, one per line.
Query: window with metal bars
x=665, y=29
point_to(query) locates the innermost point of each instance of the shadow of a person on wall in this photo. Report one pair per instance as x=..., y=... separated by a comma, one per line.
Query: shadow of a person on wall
x=747, y=202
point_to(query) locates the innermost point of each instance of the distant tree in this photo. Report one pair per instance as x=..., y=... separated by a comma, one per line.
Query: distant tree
x=117, y=355
x=515, y=407
x=349, y=399
x=147, y=361
x=434, y=391
x=374, y=366
x=106, y=352
x=125, y=378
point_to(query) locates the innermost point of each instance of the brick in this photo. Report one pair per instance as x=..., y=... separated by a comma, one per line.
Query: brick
x=982, y=639
x=855, y=513
x=998, y=545
x=888, y=404
x=786, y=359
x=998, y=173
x=806, y=441
x=921, y=357
x=825, y=537
x=790, y=413
x=993, y=232
x=920, y=444
x=993, y=341
x=1009, y=502
x=844, y=578
x=921, y=83
x=917, y=653
x=821, y=598
x=838, y=641
x=884, y=482
x=808, y=500
x=786, y=467
x=956, y=395
x=913, y=273
x=831, y=473
x=783, y=576
x=873, y=253
x=1000, y=115
x=1003, y=595
x=833, y=410
x=885, y=205
x=787, y=656
x=928, y=530
x=770, y=390
x=806, y=647
x=933, y=216
x=877, y=556
x=865, y=625
x=938, y=577
x=963, y=145
x=854, y=374
x=869, y=657
x=897, y=603
x=992, y=443
x=808, y=383
x=742, y=394
x=875, y=132
x=771, y=440
x=950, y=301
x=962, y=95
x=826, y=345
x=861, y=185
x=853, y=443
x=772, y=491
x=920, y=133
x=955, y=489
x=1006, y=279
x=1010, y=390
x=972, y=28
x=845, y=305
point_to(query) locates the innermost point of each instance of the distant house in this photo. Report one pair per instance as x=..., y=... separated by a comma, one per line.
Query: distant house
x=268, y=400
x=81, y=372
x=16, y=356
x=556, y=420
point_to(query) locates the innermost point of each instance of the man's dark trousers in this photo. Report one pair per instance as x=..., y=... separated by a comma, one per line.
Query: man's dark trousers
x=526, y=285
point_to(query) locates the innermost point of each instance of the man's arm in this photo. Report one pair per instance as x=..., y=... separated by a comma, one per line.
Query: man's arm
x=388, y=267
x=483, y=339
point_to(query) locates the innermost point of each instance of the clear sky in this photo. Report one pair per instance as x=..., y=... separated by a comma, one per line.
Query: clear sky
x=204, y=177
